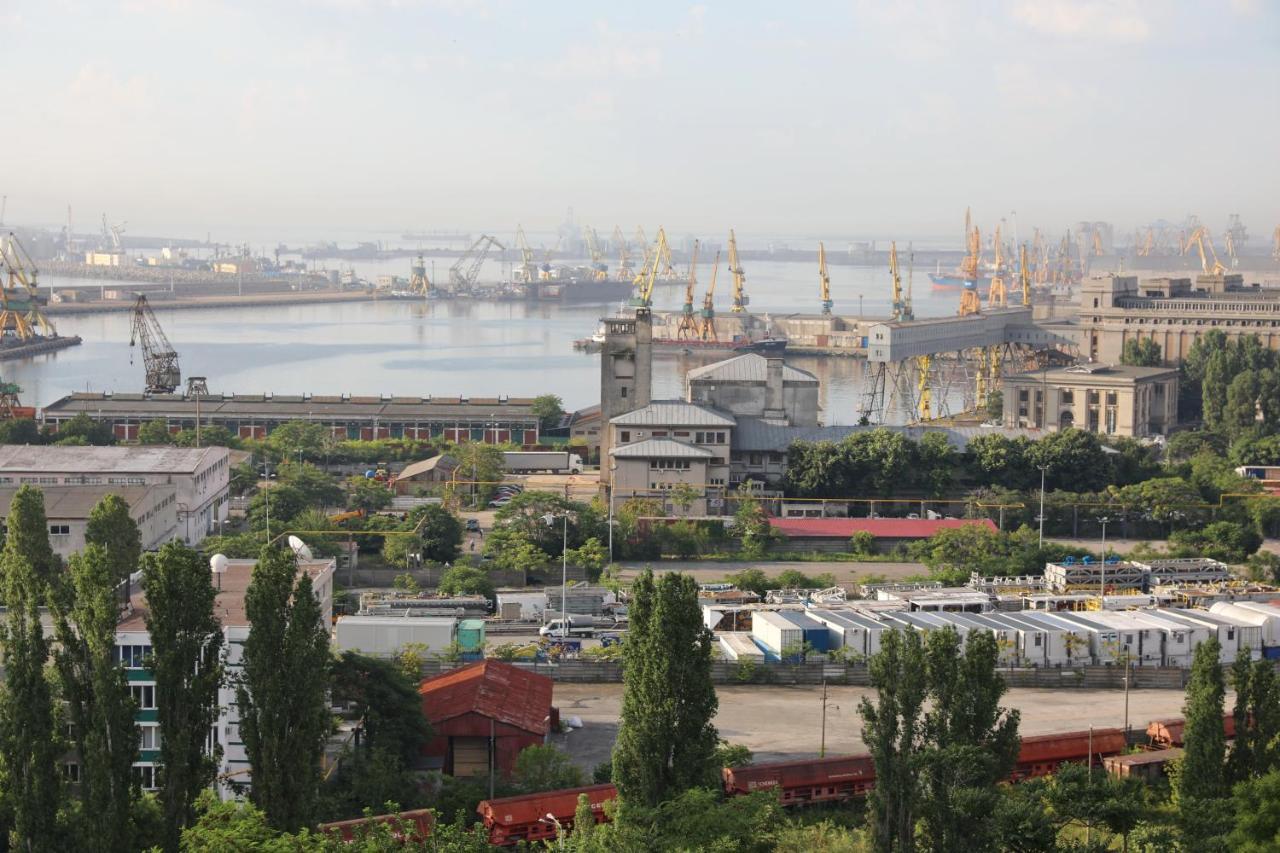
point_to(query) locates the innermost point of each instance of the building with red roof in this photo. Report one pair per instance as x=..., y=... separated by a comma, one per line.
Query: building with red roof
x=833, y=534
x=485, y=712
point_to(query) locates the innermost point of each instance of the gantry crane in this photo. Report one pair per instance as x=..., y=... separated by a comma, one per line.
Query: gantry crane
x=626, y=267
x=707, y=319
x=688, y=326
x=740, y=299
x=997, y=293
x=466, y=270
x=21, y=315
x=1199, y=238
x=900, y=304
x=970, y=302
x=159, y=361
x=599, y=269
x=528, y=271
x=418, y=281
x=824, y=280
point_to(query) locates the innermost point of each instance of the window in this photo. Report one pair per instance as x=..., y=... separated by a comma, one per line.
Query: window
x=1067, y=397
x=132, y=657
x=1111, y=398
x=146, y=776
x=753, y=459
x=659, y=433
x=71, y=773
x=623, y=392
x=1022, y=395
x=59, y=529
x=1039, y=640
x=148, y=737
x=624, y=436
x=1092, y=397
x=144, y=695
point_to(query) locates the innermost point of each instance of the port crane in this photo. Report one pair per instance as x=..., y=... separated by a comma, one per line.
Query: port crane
x=1200, y=238
x=599, y=269
x=1024, y=275
x=466, y=270
x=20, y=312
x=824, y=280
x=970, y=302
x=688, y=326
x=418, y=281
x=997, y=293
x=528, y=267
x=740, y=299
x=645, y=280
x=667, y=265
x=642, y=240
x=901, y=304
x=112, y=235
x=626, y=267
x=1275, y=244
x=159, y=361
x=707, y=318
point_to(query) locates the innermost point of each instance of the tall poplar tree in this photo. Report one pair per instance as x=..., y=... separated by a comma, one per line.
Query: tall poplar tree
x=1199, y=786
x=666, y=742
x=284, y=715
x=892, y=730
x=1255, y=750
x=186, y=660
x=29, y=741
x=111, y=526
x=99, y=705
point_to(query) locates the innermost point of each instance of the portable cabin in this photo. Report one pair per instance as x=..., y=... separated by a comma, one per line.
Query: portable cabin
x=1042, y=644
x=1180, y=637
x=1264, y=616
x=1142, y=642
x=1233, y=633
x=1018, y=645
x=1068, y=642
x=738, y=645
x=846, y=629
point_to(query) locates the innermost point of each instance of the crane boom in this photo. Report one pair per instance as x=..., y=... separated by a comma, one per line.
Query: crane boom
x=466, y=270
x=997, y=293
x=824, y=280
x=626, y=269
x=1199, y=238
x=20, y=301
x=159, y=360
x=707, y=320
x=528, y=267
x=740, y=299
x=970, y=302
x=688, y=327
x=1024, y=275
x=901, y=305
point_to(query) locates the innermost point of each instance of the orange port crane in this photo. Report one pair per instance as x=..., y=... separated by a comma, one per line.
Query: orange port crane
x=1024, y=275
x=688, y=326
x=997, y=293
x=1200, y=238
x=707, y=319
x=740, y=299
x=970, y=302
x=824, y=280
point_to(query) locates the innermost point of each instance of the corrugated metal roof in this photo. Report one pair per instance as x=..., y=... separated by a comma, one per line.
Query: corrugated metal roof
x=443, y=461
x=500, y=691
x=660, y=448
x=105, y=460
x=674, y=413
x=748, y=367
x=893, y=528
x=292, y=406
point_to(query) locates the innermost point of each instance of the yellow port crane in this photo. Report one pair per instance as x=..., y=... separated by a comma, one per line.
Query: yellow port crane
x=1097, y=243
x=599, y=269
x=901, y=304
x=1200, y=238
x=418, y=281
x=20, y=300
x=626, y=268
x=1024, y=275
x=824, y=280
x=970, y=302
x=688, y=326
x=740, y=299
x=997, y=293
x=1275, y=244
x=642, y=241
x=666, y=268
x=707, y=319
x=1148, y=243
x=648, y=275
x=528, y=267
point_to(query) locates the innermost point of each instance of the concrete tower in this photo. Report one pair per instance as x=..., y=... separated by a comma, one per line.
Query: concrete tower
x=626, y=370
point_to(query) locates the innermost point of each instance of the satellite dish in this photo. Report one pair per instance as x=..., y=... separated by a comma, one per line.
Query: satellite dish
x=300, y=549
x=218, y=563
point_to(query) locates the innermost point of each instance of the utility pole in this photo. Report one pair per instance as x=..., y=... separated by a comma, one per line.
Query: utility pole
x=1040, y=517
x=1103, y=584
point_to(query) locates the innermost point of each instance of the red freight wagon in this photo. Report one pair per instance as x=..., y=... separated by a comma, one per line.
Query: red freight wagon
x=812, y=781
x=1042, y=754
x=512, y=819
x=410, y=826
x=1167, y=733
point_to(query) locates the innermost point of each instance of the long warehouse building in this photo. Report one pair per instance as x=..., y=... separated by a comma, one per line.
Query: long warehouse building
x=493, y=420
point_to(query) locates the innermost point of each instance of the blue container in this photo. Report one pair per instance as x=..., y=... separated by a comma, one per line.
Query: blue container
x=1271, y=653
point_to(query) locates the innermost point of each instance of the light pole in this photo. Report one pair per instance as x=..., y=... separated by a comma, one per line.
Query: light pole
x=822, y=747
x=1040, y=517
x=266, y=496
x=1103, y=584
x=550, y=818
x=550, y=519
x=611, y=470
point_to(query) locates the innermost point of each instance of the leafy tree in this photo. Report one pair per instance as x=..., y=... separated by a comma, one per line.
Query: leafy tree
x=112, y=526
x=1241, y=410
x=549, y=409
x=1222, y=540
x=863, y=543
x=281, y=502
x=155, y=432
x=211, y=435
x=86, y=430
x=186, y=660
x=995, y=405
x=242, y=546
x=284, y=716
x=996, y=458
x=20, y=431
x=751, y=580
x=893, y=731
x=1199, y=783
x=1141, y=352
x=29, y=742
x=244, y=479
x=666, y=741
x=1256, y=750
x=99, y=705
x=543, y=767
x=367, y=495
x=591, y=556
x=1022, y=823
x=526, y=513
x=483, y=465
x=1103, y=804
x=1073, y=457
x=683, y=495
x=511, y=550
x=1257, y=815
x=299, y=439
x=317, y=488
x=439, y=531
x=465, y=580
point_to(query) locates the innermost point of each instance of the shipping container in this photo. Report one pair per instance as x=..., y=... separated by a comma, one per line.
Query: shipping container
x=1180, y=637
x=778, y=632
x=383, y=636
x=738, y=645
x=1041, y=755
x=471, y=635
x=1138, y=640
x=846, y=629
x=1264, y=616
x=1094, y=643
x=1234, y=632
x=525, y=605
x=1065, y=644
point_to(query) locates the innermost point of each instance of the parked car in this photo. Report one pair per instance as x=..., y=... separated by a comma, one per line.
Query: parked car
x=500, y=502
x=473, y=525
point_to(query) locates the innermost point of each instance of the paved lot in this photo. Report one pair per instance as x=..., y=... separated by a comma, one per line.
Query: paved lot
x=777, y=723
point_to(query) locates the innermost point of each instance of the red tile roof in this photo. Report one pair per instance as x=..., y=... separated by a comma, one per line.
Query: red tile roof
x=494, y=689
x=881, y=528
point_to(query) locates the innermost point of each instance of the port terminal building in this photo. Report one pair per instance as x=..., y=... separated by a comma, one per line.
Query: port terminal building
x=493, y=420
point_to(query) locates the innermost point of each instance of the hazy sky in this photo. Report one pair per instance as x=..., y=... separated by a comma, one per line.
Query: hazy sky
x=854, y=118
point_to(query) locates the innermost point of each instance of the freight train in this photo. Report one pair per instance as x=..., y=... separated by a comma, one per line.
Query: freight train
x=535, y=817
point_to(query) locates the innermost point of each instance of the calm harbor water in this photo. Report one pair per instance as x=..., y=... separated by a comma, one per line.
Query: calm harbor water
x=438, y=348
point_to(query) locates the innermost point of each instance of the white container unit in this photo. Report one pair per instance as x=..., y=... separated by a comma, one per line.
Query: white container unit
x=776, y=632
x=1031, y=641
x=1180, y=637
x=1264, y=616
x=1006, y=637
x=1233, y=633
x=1138, y=639
x=383, y=636
x=1070, y=644
x=738, y=645
x=532, y=604
x=1104, y=639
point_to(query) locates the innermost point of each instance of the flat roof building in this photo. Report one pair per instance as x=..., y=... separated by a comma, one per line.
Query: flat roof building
x=1100, y=398
x=67, y=508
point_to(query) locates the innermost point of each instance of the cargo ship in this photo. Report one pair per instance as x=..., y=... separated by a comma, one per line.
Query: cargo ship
x=578, y=290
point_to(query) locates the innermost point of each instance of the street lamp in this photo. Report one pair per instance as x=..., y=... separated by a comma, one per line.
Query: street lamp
x=1104, y=521
x=550, y=818
x=550, y=519
x=1040, y=517
x=266, y=496
x=218, y=564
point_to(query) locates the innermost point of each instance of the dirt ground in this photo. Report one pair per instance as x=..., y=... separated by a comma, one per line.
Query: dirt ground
x=779, y=723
